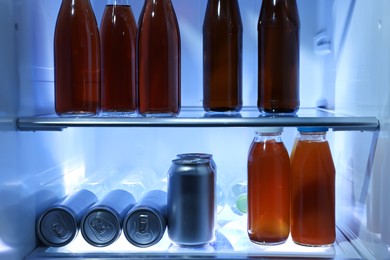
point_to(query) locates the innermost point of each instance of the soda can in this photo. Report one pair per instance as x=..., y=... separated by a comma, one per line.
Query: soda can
x=146, y=222
x=191, y=184
x=200, y=156
x=220, y=196
x=102, y=223
x=59, y=224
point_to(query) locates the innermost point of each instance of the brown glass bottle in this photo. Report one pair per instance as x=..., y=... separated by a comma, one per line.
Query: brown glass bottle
x=313, y=174
x=118, y=33
x=222, y=56
x=269, y=182
x=278, y=51
x=77, y=60
x=159, y=54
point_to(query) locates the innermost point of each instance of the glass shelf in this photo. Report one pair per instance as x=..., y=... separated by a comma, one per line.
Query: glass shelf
x=196, y=117
x=222, y=248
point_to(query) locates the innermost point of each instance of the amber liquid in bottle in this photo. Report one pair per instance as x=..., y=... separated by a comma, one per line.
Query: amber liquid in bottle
x=222, y=56
x=313, y=194
x=77, y=60
x=118, y=42
x=278, y=75
x=268, y=192
x=159, y=55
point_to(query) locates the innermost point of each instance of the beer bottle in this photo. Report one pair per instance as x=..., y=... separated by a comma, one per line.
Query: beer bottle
x=222, y=56
x=118, y=33
x=76, y=60
x=159, y=54
x=278, y=57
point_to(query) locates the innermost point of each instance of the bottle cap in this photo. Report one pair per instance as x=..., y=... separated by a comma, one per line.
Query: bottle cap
x=242, y=203
x=269, y=130
x=313, y=129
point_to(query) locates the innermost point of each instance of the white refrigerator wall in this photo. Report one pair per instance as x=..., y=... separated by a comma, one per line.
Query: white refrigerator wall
x=360, y=72
x=344, y=63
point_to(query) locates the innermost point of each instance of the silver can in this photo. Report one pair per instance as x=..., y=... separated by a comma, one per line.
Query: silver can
x=146, y=222
x=59, y=224
x=102, y=223
x=191, y=185
x=206, y=156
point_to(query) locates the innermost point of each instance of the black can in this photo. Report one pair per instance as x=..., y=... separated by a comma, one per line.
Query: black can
x=59, y=224
x=102, y=223
x=191, y=184
x=146, y=222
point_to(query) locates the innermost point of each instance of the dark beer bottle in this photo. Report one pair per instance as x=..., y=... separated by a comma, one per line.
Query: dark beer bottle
x=118, y=33
x=77, y=60
x=159, y=54
x=222, y=56
x=278, y=32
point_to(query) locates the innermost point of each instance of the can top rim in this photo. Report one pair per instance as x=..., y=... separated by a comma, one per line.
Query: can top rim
x=191, y=161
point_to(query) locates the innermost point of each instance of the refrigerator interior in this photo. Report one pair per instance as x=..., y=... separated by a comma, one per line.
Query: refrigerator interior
x=344, y=68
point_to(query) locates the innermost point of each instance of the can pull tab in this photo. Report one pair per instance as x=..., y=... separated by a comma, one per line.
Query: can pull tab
x=59, y=228
x=101, y=228
x=143, y=224
x=142, y=227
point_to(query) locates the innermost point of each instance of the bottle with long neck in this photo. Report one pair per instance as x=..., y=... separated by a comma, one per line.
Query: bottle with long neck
x=118, y=33
x=278, y=57
x=77, y=60
x=222, y=56
x=159, y=54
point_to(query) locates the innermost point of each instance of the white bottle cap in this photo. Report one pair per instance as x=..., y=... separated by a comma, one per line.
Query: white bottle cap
x=269, y=130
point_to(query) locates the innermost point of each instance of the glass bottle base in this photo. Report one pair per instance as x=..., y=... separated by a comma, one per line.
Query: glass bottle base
x=113, y=113
x=266, y=243
x=78, y=114
x=157, y=114
x=313, y=245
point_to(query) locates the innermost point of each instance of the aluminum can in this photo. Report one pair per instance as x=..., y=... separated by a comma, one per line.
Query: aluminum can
x=59, y=224
x=102, y=223
x=191, y=185
x=146, y=222
x=206, y=156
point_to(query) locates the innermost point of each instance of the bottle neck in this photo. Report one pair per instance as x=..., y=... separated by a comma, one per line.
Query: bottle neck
x=156, y=2
x=118, y=2
x=268, y=137
x=312, y=136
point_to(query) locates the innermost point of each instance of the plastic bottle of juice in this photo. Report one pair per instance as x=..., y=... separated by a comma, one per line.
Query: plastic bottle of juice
x=268, y=188
x=313, y=190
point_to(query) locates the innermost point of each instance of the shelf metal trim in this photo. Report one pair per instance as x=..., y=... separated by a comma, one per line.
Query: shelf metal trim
x=53, y=123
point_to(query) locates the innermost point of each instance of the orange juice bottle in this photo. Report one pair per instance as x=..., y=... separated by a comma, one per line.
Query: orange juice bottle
x=313, y=189
x=268, y=188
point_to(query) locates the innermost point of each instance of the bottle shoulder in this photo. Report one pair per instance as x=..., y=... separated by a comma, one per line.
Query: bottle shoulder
x=223, y=15
x=279, y=13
